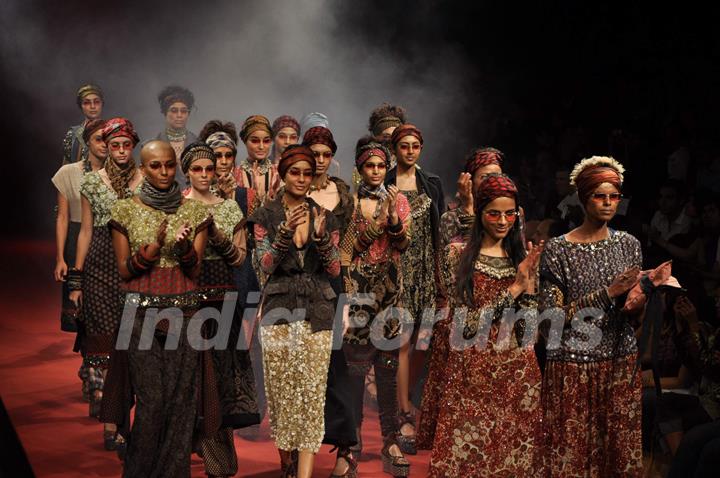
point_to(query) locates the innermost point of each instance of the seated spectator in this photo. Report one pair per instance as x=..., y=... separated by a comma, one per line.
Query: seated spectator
x=699, y=452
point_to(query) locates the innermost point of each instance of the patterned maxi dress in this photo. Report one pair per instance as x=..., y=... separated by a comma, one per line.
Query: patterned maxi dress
x=490, y=419
x=102, y=306
x=591, y=399
x=228, y=374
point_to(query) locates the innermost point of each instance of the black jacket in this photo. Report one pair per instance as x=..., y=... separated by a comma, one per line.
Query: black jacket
x=431, y=185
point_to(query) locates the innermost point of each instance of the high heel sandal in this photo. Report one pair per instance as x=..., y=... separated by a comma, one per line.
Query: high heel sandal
x=346, y=455
x=393, y=465
x=406, y=442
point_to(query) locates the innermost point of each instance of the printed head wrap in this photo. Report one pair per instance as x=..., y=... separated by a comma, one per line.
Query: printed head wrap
x=221, y=139
x=591, y=172
x=384, y=123
x=294, y=154
x=91, y=127
x=492, y=187
x=88, y=89
x=193, y=152
x=285, y=121
x=255, y=123
x=320, y=135
x=365, y=152
x=175, y=94
x=483, y=157
x=405, y=130
x=115, y=127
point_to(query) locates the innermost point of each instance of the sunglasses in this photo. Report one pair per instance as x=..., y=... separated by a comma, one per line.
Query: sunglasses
x=326, y=154
x=92, y=102
x=493, y=215
x=196, y=168
x=255, y=140
x=226, y=155
x=613, y=197
x=175, y=111
x=410, y=147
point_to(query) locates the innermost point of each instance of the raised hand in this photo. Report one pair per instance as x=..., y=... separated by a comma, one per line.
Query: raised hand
x=153, y=249
x=527, y=269
x=296, y=217
x=226, y=184
x=624, y=282
x=392, y=204
x=464, y=185
x=183, y=234
x=320, y=221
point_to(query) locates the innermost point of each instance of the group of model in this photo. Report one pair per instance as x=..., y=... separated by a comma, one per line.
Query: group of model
x=200, y=219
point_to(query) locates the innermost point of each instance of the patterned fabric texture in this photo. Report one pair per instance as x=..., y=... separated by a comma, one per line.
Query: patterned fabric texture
x=489, y=419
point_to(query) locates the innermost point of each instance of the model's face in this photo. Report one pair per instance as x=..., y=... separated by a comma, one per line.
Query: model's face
x=482, y=172
x=201, y=174
x=120, y=148
x=258, y=145
x=97, y=146
x=91, y=106
x=225, y=159
x=373, y=171
x=177, y=115
x=323, y=157
x=284, y=138
x=298, y=178
x=498, y=217
x=159, y=169
x=387, y=134
x=407, y=150
x=603, y=203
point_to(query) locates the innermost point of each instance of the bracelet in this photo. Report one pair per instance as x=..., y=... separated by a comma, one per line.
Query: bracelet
x=189, y=260
x=74, y=279
x=140, y=262
x=395, y=229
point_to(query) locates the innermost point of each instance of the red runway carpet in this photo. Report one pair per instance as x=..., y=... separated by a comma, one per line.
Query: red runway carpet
x=41, y=390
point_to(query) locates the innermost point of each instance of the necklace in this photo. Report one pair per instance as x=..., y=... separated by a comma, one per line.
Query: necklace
x=322, y=186
x=176, y=135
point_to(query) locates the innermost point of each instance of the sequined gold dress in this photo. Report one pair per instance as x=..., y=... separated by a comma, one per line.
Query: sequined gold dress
x=490, y=420
x=592, y=405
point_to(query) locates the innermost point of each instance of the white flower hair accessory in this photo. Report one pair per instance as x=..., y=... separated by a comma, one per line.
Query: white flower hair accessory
x=606, y=161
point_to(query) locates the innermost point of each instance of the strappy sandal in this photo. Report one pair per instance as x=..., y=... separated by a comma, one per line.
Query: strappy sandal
x=393, y=465
x=406, y=443
x=346, y=455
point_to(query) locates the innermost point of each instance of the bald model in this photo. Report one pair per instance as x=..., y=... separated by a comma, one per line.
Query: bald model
x=159, y=150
